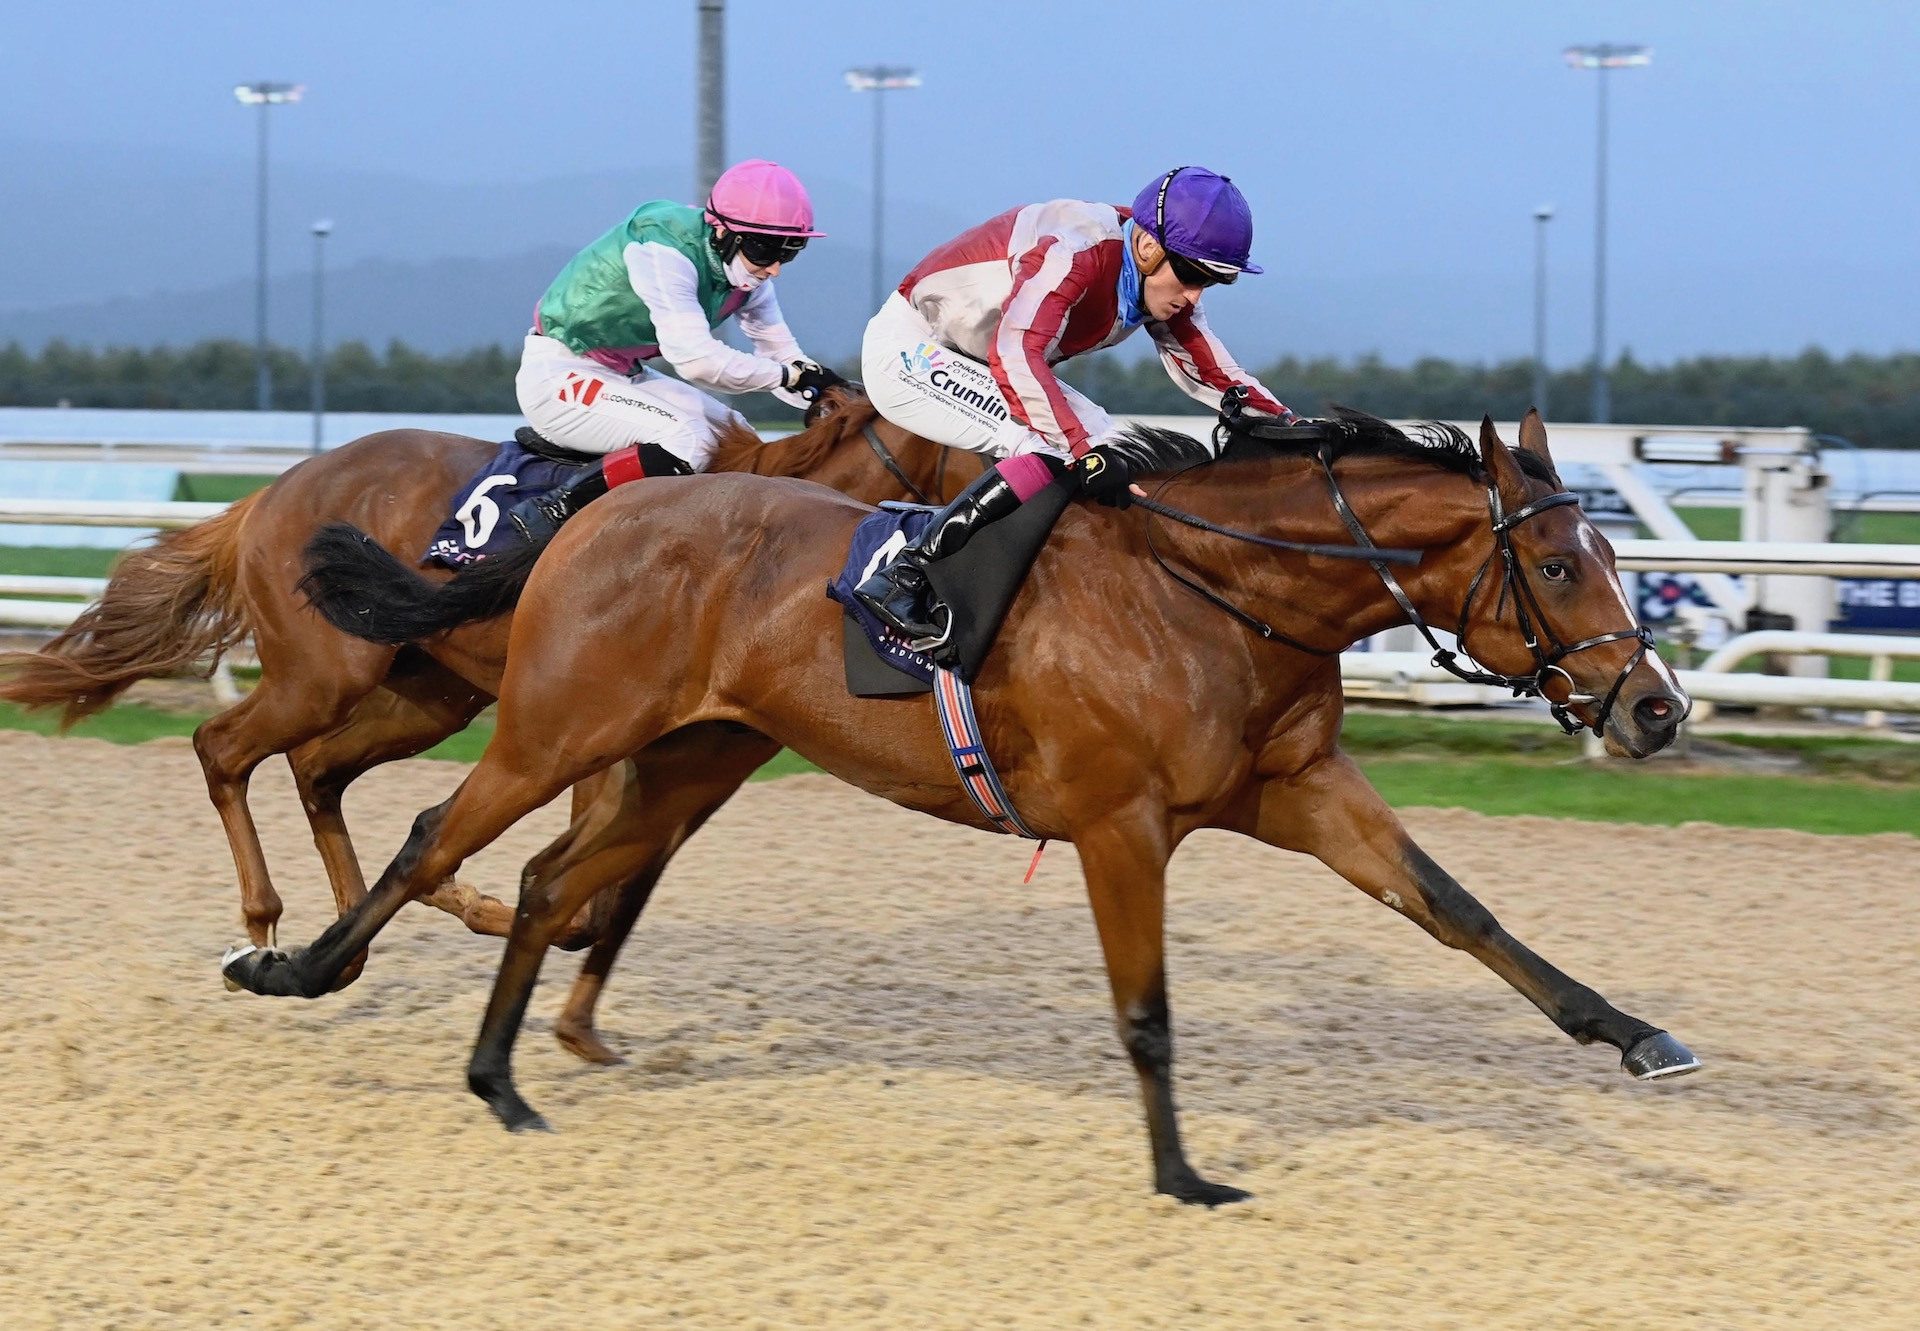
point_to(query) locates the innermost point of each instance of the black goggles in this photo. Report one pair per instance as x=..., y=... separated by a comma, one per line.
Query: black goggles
x=1194, y=274
x=763, y=250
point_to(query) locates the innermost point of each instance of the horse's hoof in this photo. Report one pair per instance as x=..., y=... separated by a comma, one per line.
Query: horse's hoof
x=245, y=966
x=1196, y=1191
x=586, y=1044
x=240, y=962
x=515, y=1114
x=1658, y=1055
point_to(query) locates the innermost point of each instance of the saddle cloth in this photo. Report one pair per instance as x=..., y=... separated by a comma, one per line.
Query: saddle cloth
x=520, y=468
x=977, y=586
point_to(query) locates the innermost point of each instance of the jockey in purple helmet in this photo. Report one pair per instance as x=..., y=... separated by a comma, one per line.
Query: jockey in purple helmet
x=964, y=351
x=653, y=289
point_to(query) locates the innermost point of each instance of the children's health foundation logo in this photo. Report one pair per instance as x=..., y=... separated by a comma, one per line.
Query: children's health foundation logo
x=923, y=359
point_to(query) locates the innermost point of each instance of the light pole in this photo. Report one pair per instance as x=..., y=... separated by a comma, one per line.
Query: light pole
x=1541, y=216
x=712, y=148
x=880, y=80
x=321, y=230
x=1603, y=57
x=266, y=96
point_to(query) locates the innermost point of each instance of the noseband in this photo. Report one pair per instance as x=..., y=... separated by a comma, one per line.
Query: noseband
x=1532, y=620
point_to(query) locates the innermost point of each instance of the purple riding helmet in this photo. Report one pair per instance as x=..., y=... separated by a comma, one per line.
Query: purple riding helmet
x=1202, y=218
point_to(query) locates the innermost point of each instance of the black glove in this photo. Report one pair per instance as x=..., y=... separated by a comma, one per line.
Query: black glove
x=809, y=380
x=1104, y=476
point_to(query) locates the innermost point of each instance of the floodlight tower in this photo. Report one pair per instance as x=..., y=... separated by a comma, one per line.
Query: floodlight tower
x=880, y=80
x=266, y=96
x=1603, y=57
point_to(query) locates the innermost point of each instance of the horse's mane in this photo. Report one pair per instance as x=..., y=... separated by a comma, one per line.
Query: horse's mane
x=740, y=449
x=1357, y=434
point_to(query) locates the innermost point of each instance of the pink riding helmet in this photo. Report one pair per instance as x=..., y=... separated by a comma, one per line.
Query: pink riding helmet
x=763, y=197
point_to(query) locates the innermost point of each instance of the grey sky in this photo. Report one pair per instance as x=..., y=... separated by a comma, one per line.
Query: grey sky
x=1764, y=195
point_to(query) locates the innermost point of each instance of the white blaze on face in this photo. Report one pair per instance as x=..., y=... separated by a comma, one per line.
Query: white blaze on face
x=1597, y=557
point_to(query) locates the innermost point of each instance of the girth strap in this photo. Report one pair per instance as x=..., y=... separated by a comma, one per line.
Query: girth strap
x=953, y=704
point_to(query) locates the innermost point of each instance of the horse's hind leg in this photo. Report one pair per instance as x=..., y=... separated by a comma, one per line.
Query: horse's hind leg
x=408, y=715
x=496, y=794
x=661, y=799
x=1331, y=811
x=272, y=719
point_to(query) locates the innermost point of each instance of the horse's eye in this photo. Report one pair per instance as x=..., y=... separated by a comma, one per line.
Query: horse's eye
x=1555, y=571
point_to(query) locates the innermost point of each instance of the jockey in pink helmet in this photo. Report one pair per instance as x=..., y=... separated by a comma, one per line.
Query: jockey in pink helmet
x=652, y=290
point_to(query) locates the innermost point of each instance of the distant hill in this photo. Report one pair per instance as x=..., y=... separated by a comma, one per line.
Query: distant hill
x=101, y=246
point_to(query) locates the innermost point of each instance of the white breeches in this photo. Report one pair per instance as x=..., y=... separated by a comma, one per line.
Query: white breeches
x=581, y=404
x=943, y=395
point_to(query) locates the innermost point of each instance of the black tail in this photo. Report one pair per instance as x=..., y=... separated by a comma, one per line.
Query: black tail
x=359, y=588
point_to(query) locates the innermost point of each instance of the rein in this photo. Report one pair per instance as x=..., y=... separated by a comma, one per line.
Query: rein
x=892, y=464
x=1531, y=618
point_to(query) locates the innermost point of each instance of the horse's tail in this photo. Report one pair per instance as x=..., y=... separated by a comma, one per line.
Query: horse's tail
x=359, y=588
x=170, y=608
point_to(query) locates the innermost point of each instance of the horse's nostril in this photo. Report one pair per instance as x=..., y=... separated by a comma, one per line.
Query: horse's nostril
x=1656, y=711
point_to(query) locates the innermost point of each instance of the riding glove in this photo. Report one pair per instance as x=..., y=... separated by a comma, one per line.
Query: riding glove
x=808, y=380
x=1104, y=476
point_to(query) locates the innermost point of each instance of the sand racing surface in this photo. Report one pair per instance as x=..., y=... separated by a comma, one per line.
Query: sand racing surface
x=873, y=1083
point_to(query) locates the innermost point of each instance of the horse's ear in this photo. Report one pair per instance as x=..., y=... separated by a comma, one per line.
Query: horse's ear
x=1501, y=468
x=1533, y=436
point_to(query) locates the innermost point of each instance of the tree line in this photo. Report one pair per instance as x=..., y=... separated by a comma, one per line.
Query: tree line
x=1874, y=401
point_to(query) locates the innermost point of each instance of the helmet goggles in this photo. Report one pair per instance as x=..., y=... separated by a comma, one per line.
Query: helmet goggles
x=762, y=247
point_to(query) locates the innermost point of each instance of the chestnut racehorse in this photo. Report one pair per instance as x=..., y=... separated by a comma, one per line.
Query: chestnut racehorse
x=1123, y=711
x=336, y=705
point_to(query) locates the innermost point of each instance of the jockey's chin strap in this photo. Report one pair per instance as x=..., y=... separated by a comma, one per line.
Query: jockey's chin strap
x=1547, y=654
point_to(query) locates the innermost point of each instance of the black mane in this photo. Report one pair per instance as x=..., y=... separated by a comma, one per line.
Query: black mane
x=1437, y=442
x=1358, y=435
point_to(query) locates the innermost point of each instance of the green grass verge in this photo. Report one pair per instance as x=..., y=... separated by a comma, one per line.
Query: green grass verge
x=202, y=487
x=1847, y=785
x=1723, y=524
x=57, y=561
x=1624, y=795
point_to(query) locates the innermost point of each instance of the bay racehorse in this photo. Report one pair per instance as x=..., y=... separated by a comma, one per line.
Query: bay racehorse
x=1123, y=711
x=335, y=704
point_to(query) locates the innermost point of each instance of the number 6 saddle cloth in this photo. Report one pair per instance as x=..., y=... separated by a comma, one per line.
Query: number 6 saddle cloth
x=524, y=466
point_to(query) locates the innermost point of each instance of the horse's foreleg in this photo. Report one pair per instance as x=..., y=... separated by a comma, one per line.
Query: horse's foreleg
x=1331, y=811
x=662, y=798
x=495, y=795
x=1125, y=859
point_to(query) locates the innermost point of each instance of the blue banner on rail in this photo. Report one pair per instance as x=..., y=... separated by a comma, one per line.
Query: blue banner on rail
x=1878, y=603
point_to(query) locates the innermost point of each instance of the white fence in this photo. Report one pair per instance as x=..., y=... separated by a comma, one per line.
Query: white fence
x=1411, y=672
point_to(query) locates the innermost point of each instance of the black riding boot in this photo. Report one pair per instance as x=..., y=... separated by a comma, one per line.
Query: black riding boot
x=898, y=592
x=540, y=517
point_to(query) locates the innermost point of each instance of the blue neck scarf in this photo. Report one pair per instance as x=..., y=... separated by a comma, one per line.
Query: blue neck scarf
x=1130, y=312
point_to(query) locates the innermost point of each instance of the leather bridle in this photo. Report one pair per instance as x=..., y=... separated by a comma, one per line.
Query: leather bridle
x=1545, y=645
